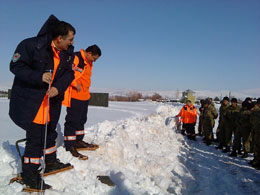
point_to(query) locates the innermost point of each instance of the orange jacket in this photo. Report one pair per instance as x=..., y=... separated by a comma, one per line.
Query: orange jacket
x=188, y=114
x=82, y=72
x=40, y=117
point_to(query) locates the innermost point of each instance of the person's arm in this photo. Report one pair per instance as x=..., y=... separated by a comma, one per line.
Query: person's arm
x=21, y=65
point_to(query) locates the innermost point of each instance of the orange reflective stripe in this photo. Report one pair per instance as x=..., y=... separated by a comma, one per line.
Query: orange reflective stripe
x=81, y=132
x=36, y=161
x=69, y=138
x=50, y=150
x=40, y=117
x=26, y=160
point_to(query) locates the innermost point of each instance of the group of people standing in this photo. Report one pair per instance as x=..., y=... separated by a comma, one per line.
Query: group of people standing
x=242, y=123
x=48, y=73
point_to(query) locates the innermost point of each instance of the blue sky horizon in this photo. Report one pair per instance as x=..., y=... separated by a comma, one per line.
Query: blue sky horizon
x=150, y=45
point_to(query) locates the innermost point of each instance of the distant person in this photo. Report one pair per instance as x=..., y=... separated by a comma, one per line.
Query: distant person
x=51, y=50
x=76, y=99
x=255, y=131
x=222, y=123
x=231, y=119
x=200, y=127
x=209, y=116
x=188, y=116
x=243, y=131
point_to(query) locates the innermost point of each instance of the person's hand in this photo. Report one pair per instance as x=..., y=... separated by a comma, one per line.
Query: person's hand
x=53, y=92
x=78, y=87
x=46, y=77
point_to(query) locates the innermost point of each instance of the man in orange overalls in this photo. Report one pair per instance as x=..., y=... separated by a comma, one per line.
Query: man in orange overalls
x=76, y=99
x=188, y=116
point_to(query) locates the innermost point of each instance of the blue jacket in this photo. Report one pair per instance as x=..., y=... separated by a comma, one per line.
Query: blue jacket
x=32, y=57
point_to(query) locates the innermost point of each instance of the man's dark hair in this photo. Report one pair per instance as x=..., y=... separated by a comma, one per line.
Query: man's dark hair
x=234, y=100
x=94, y=49
x=62, y=29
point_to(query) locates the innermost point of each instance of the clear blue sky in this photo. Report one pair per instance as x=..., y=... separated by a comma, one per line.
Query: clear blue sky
x=150, y=44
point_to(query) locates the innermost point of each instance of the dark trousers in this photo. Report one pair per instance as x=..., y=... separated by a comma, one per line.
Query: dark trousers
x=35, y=145
x=190, y=129
x=74, y=122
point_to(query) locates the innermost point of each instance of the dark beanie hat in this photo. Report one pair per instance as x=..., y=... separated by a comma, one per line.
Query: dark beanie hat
x=234, y=100
x=226, y=98
x=207, y=101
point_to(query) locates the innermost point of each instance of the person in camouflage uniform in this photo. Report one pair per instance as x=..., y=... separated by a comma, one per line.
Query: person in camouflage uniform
x=201, y=109
x=243, y=131
x=230, y=123
x=208, y=121
x=255, y=127
x=221, y=125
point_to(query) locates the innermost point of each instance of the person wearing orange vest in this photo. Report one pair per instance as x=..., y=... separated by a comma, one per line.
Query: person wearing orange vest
x=188, y=116
x=37, y=63
x=76, y=99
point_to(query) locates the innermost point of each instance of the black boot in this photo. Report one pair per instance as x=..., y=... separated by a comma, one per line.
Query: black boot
x=239, y=152
x=76, y=154
x=56, y=166
x=33, y=182
x=227, y=149
x=245, y=155
x=233, y=153
x=219, y=147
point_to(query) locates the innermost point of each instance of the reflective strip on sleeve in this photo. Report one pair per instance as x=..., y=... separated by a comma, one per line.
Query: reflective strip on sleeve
x=69, y=138
x=50, y=150
x=81, y=132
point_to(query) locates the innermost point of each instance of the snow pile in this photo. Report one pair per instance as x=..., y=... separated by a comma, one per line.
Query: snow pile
x=139, y=154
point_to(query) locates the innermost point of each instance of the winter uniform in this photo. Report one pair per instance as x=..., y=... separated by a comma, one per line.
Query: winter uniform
x=200, y=127
x=255, y=125
x=242, y=131
x=77, y=101
x=188, y=116
x=231, y=123
x=28, y=103
x=209, y=116
x=221, y=125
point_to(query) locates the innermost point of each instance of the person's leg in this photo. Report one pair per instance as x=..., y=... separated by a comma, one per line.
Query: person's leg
x=72, y=126
x=82, y=120
x=32, y=157
x=72, y=120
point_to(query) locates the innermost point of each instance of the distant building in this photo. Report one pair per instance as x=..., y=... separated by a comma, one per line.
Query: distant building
x=188, y=95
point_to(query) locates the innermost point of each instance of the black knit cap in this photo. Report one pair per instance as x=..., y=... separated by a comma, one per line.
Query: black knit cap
x=226, y=98
x=234, y=100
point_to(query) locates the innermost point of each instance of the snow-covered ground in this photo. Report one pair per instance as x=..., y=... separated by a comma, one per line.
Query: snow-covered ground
x=142, y=153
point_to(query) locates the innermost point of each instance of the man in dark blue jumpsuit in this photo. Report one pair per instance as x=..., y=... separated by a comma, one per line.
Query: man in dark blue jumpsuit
x=51, y=49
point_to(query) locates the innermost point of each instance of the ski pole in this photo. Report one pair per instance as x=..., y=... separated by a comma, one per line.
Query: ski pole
x=45, y=133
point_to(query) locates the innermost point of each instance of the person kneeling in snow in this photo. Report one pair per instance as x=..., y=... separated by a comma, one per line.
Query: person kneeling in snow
x=76, y=100
x=188, y=116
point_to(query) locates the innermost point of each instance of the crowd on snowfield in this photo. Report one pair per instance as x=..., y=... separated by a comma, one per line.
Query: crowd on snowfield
x=240, y=122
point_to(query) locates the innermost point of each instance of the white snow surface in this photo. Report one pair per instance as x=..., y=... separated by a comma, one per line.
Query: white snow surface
x=140, y=149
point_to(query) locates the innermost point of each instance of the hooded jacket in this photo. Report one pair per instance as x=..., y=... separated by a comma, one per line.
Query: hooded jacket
x=32, y=58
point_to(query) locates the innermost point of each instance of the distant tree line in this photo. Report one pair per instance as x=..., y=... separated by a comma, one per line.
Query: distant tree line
x=134, y=96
